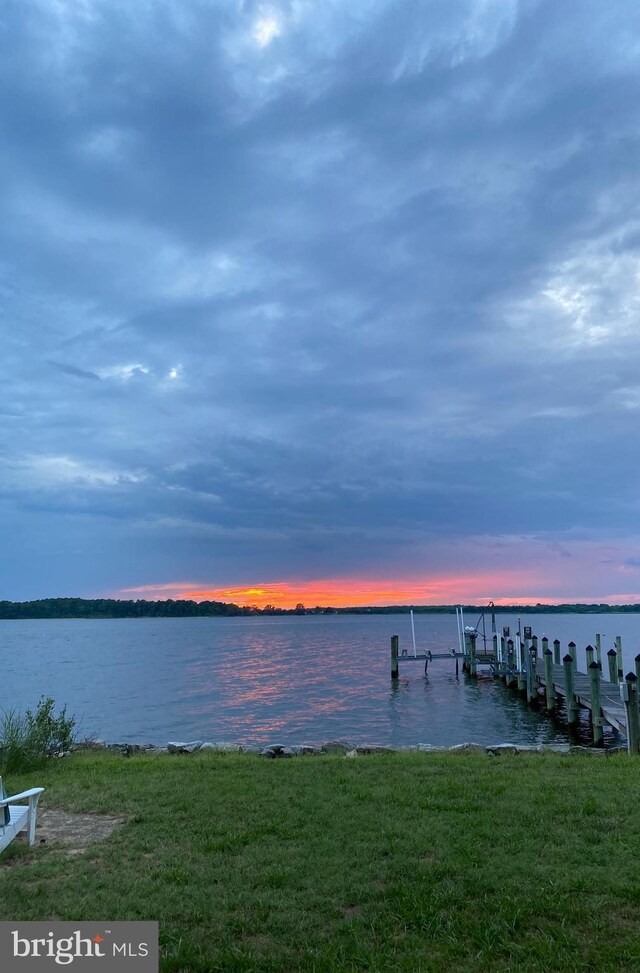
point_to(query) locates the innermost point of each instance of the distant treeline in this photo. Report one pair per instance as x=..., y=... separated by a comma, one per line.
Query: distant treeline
x=114, y=608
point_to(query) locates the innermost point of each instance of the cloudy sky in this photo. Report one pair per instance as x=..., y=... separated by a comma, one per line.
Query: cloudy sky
x=324, y=300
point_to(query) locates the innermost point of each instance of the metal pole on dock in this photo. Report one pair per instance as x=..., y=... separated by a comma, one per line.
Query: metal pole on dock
x=599, y=648
x=572, y=709
x=556, y=652
x=619, y=657
x=630, y=697
x=548, y=676
x=573, y=652
x=473, y=668
x=394, y=656
x=612, y=657
x=413, y=634
x=595, y=670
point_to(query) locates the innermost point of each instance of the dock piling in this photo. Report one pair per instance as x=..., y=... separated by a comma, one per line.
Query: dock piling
x=572, y=709
x=599, y=648
x=595, y=670
x=619, y=657
x=589, y=653
x=511, y=662
x=637, y=662
x=556, y=652
x=394, y=656
x=629, y=690
x=548, y=676
x=532, y=691
x=612, y=657
x=573, y=652
x=473, y=667
x=467, y=652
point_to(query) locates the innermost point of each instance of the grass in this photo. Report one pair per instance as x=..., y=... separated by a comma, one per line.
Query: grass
x=408, y=862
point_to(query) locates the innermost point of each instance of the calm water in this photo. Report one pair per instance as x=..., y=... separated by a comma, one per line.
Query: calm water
x=289, y=679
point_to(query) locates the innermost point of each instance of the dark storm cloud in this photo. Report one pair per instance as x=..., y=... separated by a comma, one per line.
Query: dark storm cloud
x=296, y=290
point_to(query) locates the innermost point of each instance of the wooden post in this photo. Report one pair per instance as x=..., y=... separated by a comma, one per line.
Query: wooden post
x=522, y=677
x=532, y=688
x=573, y=652
x=572, y=709
x=510, y=662
x=598, y=649
x=589, y=654
x=467, y=652
x=595, y=670
x=619, y=657
x=473, y=668
x=630, y=696
x=545, y=646
x=556, y=652
x=548, y=677
x=612, y=657
x=495, y=650
x=394, y=656
x=637, y=662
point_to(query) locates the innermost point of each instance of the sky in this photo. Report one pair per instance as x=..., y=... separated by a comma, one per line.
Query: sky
x=319, y=301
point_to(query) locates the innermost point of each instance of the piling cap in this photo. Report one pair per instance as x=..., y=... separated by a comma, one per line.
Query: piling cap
x=631, y=677
x=544, y=638
x=637, y=658
x=595, y=665
x=572, y=645
x=556, y=641
x=510, y=642
x=612, y=652
x=567, y=658
x=547, y=652
x=589, y=648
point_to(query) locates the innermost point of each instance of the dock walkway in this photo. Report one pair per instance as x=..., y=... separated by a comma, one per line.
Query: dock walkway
x=545, y=681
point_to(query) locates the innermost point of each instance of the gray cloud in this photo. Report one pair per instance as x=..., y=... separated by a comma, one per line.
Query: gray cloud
x=360, y=289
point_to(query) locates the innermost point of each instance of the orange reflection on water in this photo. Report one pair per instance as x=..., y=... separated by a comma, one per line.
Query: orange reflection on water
x=266, y=685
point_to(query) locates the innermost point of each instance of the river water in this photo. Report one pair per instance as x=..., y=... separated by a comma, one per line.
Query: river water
x=287, y=679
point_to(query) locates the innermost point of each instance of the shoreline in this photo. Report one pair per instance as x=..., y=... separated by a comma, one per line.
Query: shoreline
x=332, y=747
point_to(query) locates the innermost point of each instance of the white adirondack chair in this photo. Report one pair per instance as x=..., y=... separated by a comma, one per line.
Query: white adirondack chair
x=21, y=817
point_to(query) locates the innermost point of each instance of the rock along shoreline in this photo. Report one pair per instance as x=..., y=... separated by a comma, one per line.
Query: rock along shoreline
x=341, y=747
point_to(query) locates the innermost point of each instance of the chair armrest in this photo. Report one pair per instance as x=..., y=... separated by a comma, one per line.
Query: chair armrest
x=22, y=796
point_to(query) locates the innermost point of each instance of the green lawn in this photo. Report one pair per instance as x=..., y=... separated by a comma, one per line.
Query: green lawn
x=390, y=862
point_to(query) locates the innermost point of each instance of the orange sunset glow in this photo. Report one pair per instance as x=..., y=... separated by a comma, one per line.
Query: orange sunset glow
x=354, y=592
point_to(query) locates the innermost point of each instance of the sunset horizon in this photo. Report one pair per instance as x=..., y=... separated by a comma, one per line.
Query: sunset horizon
x=354, y=593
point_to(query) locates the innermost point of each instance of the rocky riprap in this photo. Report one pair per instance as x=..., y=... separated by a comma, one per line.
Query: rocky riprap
x=343, y=747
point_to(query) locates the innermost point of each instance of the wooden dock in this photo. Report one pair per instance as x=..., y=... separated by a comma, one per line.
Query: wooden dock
x=611, y=703
x=547, y=682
